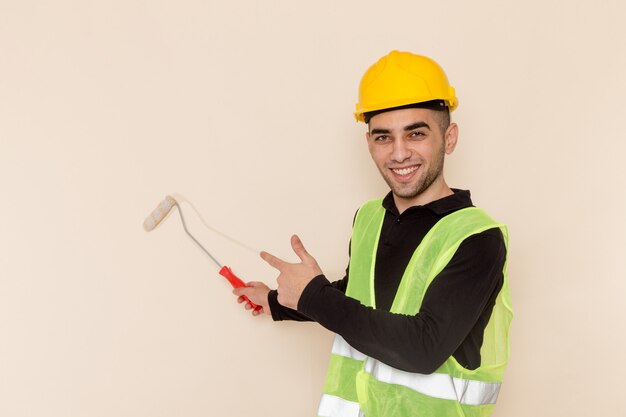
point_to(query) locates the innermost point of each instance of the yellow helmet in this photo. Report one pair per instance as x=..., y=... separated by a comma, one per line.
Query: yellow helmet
x=403, y=78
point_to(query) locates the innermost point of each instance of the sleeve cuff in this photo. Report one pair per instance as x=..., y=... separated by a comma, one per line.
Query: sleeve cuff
x=272, y=300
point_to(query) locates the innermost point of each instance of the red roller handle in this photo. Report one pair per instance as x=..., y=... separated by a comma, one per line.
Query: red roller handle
x=236, y=282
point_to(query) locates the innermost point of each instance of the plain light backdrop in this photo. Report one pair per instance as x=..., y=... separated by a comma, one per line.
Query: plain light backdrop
x=244, y=108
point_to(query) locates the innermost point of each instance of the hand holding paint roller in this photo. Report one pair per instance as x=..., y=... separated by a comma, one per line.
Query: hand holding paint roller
x=157, y=217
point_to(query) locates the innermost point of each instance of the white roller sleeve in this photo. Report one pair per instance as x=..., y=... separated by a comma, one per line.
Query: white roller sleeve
x=159, y=213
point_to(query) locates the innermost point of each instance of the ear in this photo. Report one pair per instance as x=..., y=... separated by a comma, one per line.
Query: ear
x=451, y=136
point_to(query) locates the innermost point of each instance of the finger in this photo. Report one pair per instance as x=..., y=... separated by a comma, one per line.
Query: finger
x=241, y=299
x=253, y=284
x=272, y=260
x=298, y=248
x=257, y=311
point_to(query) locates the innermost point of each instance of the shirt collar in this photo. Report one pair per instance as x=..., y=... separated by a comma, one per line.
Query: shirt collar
x=458, y=200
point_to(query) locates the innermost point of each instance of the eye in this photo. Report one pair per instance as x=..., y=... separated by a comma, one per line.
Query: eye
x=417, y=134
x=381, y=138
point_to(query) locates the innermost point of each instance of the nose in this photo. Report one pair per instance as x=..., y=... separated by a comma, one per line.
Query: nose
x=400, y=152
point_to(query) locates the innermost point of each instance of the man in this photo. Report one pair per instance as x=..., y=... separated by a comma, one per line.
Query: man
x=423, y=313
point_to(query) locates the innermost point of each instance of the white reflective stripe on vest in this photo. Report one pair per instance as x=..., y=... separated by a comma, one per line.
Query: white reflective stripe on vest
x=331, y=406
x=465, y=391
x=343, y=348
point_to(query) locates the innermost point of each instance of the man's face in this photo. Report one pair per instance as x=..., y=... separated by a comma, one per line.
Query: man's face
x=408, y=147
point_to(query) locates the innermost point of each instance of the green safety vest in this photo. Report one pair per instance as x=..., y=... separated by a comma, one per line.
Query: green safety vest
x=357, y=385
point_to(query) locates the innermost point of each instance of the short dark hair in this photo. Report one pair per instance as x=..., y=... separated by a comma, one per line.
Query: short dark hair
x=442, y=112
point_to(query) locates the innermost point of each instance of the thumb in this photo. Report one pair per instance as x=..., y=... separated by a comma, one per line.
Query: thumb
x=298, y=248
x=239, y=291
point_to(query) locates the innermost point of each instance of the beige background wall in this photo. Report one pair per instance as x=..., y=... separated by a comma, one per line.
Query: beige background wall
x=244, y=108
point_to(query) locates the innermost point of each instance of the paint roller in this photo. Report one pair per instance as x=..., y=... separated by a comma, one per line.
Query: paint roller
x=161, y=212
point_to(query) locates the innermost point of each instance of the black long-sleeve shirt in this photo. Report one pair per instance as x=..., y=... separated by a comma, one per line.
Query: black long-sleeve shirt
x=455, y=309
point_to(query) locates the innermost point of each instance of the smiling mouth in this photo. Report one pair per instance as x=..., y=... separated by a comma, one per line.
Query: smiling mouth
x=405, y=171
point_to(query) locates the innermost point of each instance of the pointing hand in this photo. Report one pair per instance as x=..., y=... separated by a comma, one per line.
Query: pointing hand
x=293, y=277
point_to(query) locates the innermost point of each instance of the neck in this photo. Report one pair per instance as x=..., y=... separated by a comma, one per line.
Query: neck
x=436, y=191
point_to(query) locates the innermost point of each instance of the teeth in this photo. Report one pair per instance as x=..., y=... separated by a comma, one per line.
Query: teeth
x=405, y=171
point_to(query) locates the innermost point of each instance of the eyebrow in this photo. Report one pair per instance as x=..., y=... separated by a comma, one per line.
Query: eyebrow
x=408, y=128
x=416, y=125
